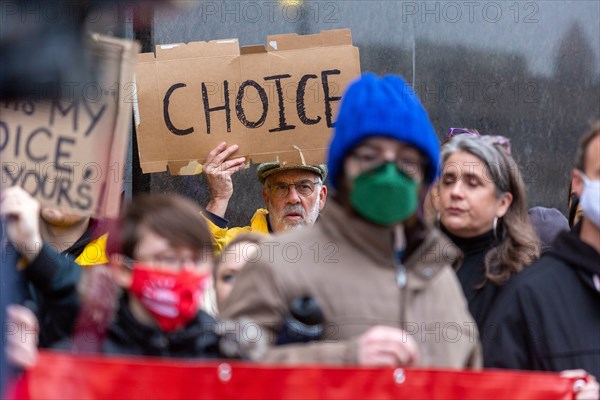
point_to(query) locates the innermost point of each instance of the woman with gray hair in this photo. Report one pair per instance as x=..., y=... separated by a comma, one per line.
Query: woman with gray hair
x=483, y=209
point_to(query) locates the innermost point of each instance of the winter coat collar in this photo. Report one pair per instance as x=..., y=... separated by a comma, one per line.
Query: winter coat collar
x=579, y=255
x=96, y=228
x=426, y=246
x=129, y=332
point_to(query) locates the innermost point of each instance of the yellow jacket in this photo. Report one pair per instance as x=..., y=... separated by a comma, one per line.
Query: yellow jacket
x=258, y=224
x=94, y=253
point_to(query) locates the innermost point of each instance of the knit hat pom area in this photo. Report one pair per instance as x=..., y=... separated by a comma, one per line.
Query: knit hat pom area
x=387, y=107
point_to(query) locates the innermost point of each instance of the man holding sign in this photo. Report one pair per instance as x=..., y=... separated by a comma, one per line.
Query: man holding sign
x=293, y=195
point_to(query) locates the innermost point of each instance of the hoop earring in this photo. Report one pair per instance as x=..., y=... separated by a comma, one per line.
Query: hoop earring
x=438, y=219
x=495, y=228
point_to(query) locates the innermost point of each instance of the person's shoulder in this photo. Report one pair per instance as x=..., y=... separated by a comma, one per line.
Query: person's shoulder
x=204, y=329
x=546, y=265
x=539, y=275
x=204, y=320
x=288, y=255
x=261, y=212
x=527, y=292
x=433, y=255
x=302, y=237
x=445, y=285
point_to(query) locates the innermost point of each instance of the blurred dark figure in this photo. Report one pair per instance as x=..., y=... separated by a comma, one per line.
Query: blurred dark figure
x=7, y=258
x=43, y=58
x=161, y=259
x=548, y=223
x=42, y=43
x=41, y=47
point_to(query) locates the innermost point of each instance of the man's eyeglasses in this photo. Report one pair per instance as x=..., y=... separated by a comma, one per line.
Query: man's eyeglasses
x=494, y=140
x=280, y=190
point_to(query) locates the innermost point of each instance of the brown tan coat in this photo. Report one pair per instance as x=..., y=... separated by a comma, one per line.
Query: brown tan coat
x=347, y=265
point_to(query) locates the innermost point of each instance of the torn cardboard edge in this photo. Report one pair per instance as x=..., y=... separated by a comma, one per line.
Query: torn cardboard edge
x=225, y=47
x=110, y=203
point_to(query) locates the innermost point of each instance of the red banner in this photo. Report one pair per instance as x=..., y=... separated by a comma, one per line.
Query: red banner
x=65, y=376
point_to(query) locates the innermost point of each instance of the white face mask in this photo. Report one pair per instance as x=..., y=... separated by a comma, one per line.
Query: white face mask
x=590, y=200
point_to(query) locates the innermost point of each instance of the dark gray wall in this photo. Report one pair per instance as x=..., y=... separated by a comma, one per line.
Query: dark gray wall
x=528, y=70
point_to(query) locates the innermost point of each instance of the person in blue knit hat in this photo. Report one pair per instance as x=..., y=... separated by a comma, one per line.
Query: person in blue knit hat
x=385, y=107
x=382, y=277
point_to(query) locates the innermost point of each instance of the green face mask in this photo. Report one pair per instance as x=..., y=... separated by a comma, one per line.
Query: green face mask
x=384, y=195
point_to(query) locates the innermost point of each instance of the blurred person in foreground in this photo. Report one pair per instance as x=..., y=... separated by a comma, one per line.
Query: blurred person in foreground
x=19, y=351
x=161, y=258
x=231, y=261
x=371, y=263
x=51, y=246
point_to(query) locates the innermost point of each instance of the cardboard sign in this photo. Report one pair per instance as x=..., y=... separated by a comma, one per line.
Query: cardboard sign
x=276, y=102
x=69, y=152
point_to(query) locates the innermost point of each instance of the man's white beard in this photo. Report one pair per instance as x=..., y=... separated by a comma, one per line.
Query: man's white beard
x=308, y=219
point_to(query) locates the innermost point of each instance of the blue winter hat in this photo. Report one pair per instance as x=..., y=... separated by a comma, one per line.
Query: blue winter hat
x=387, y=107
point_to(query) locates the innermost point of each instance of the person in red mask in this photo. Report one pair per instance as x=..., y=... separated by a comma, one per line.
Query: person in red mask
x=161, y=258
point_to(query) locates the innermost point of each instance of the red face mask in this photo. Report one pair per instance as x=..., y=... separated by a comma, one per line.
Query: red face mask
x=172, y=298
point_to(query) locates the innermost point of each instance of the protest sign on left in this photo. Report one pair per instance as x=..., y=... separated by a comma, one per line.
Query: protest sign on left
x=69, y=151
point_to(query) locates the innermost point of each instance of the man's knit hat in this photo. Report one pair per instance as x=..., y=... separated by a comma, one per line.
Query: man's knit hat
x=386, y=107
x=269, y=168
